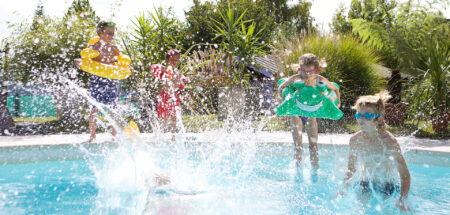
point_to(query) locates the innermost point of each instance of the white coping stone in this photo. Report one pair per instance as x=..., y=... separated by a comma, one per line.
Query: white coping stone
x=409, y=143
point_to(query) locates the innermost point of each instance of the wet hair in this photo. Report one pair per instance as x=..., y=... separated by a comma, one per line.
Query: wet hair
x=377, y=102
x=102, y=24
x=309, y=59
x=172, y=52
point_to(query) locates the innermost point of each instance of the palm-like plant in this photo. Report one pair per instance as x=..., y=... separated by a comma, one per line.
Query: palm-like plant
x=239, y=41
x=431, y=88
x=419, y=41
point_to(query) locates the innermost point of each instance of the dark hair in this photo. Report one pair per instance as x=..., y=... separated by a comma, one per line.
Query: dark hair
x=310, y=60
x=172, y=52
x=102, y=24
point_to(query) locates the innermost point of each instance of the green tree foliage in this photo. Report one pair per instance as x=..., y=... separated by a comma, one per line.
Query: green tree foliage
x=419, y=40
x=151, y=37
x=339, y=22
x=43, y=50
x=381, y=12
x=377, y=11
x=239, y=39
x=42, y=53
x=299, y=19
x=271, y=17
x=83, y=9
x=199, y=24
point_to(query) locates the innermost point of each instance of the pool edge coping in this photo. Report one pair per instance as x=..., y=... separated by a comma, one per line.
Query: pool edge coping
x=410, y=143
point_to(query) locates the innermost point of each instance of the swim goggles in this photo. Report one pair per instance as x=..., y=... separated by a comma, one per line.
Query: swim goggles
x=366, y=115
x=304, y=70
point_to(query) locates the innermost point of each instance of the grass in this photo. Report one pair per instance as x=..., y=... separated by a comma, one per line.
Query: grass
x=199, y=123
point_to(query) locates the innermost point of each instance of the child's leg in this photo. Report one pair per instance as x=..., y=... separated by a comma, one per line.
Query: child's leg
x=312, y=131
x=113, y=131
x=163, y=125
x=296, y=126
x=93, y=123
x=173, y=124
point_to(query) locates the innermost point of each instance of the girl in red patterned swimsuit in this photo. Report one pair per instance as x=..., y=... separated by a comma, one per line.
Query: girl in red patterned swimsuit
x=173, y=82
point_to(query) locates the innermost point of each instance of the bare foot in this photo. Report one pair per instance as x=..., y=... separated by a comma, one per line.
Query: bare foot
x=161, y=179
x=91, y=140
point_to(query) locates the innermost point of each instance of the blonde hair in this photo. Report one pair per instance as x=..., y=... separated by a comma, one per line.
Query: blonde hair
x=377, y=102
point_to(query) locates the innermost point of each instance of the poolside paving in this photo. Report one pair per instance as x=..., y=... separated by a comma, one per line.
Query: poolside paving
x=409, y=142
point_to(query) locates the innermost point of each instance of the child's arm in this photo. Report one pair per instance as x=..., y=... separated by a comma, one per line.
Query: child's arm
x=288, y=82
x=351, y=159
x=96, y=46
x=350, y=165
x=332, y=87
x=403, y=171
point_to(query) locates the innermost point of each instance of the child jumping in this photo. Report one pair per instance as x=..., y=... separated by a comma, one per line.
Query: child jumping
x=103, y=90
x=309, y=73
x=173, y=82
x=377, y=152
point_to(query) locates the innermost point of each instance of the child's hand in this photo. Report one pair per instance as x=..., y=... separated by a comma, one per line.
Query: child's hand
x=403, y=206
x=279, y=98
x=340, y=194
x=77, y=62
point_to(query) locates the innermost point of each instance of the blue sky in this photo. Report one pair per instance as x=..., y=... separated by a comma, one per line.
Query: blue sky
x=13, y=11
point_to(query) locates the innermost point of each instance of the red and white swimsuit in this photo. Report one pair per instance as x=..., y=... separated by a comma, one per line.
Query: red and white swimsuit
x=168, y=103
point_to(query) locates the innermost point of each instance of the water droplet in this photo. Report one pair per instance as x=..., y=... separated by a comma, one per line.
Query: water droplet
x=378, y=208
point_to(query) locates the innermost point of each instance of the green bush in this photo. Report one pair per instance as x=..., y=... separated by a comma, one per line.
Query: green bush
x=350, y=63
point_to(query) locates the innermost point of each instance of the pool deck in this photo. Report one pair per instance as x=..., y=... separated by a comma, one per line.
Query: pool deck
x=408, y=143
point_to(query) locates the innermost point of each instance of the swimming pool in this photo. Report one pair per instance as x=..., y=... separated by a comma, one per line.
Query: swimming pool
x=226, y=178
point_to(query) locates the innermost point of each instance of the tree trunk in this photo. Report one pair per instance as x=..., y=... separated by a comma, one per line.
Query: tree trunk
x=395, y=85
x=7, y=125
x=439, y=121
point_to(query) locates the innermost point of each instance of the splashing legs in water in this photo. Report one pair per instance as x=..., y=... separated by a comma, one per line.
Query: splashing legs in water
x=312, y=131
x=113, y=132
x=93, y=124
x=296, y=126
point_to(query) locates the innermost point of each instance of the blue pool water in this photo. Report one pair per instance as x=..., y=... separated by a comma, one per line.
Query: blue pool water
x=205, y=179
